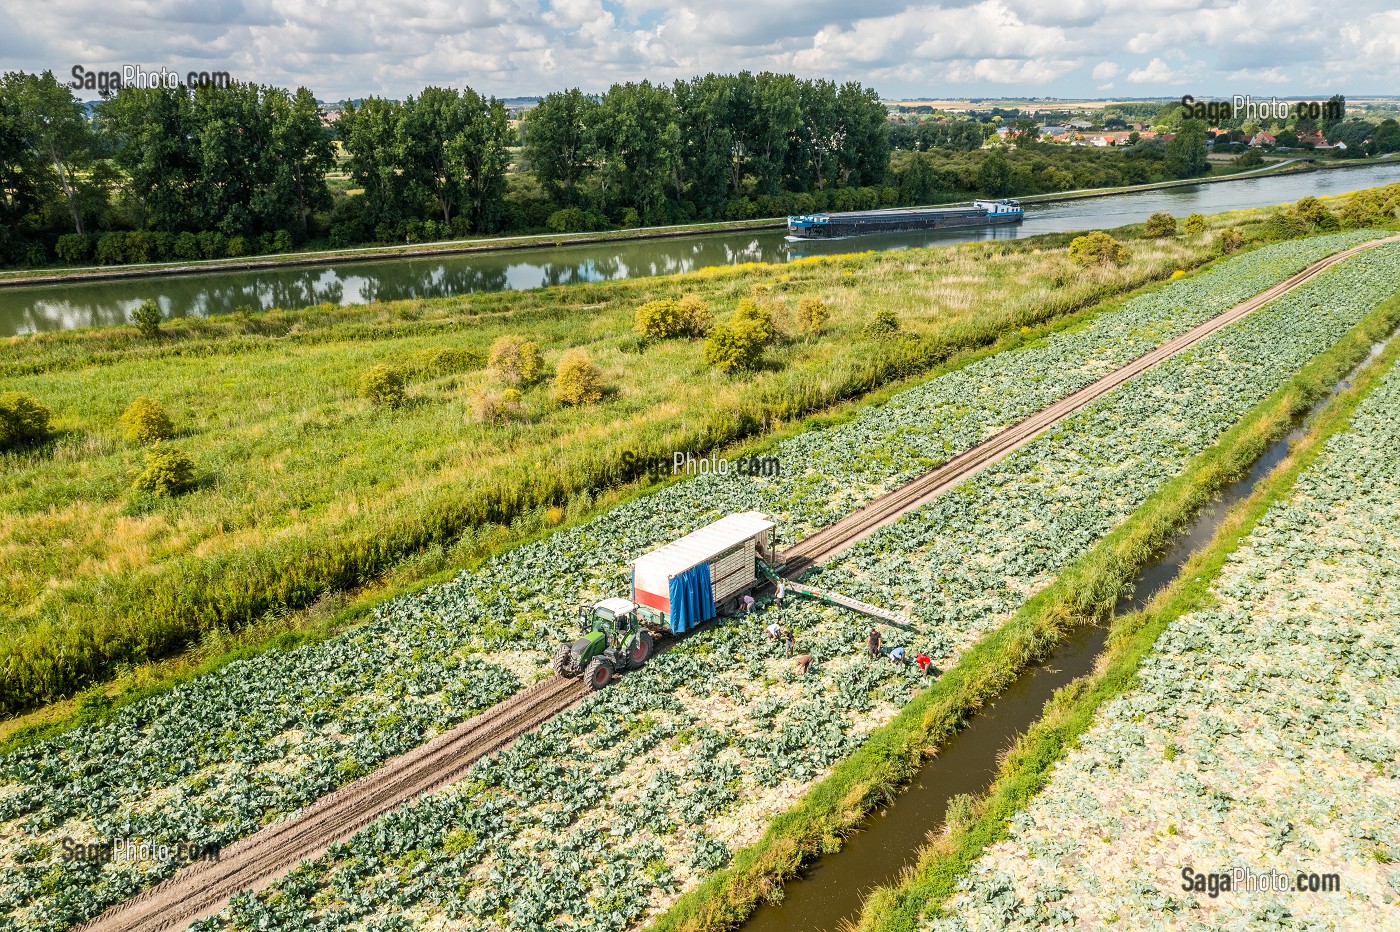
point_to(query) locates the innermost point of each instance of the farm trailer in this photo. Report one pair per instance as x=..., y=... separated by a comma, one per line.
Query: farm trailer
x=683, y=584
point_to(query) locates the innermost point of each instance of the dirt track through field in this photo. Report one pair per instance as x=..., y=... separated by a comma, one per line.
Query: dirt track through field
x=255, y=862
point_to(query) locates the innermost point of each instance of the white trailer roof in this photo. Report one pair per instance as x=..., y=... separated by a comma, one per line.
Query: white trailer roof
x=698, y=546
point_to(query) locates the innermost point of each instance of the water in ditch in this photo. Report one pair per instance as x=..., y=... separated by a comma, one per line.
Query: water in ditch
x=831, y=891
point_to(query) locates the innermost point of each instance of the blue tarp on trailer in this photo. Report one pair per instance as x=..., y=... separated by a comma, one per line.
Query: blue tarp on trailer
x=691, y=598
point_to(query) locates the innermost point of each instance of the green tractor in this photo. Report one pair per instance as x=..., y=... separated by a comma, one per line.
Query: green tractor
x=614, y=639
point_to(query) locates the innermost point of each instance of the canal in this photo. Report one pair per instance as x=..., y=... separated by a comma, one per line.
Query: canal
x=99, y=303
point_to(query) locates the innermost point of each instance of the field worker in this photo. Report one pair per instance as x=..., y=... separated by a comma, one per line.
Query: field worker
x=789, y=642
x=804, y=663
x=773, y=631
x=873, y=643
x=746, y=603
x=779, y=593
x=897, y=655
x=924, y=661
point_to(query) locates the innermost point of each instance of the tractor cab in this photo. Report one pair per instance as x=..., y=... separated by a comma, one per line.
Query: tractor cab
x=614, y=618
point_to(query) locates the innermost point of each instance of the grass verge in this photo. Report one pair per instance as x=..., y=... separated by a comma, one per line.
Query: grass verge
x=1084, y=593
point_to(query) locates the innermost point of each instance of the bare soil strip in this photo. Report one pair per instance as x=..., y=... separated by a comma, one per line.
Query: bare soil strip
x=255, y=862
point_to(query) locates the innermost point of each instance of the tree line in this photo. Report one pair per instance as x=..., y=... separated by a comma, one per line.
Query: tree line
x=190, y=172
x=211, y=171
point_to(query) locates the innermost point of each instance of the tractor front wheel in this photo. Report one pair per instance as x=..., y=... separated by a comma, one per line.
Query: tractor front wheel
x=564, y=663
x=598, y=674
x=640, y=653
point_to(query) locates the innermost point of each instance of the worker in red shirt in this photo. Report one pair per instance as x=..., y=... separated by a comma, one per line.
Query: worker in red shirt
x=924, y=661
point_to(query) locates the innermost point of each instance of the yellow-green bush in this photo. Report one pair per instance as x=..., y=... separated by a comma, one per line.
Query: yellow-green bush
x=733, y=346
x=22, y=420
x=166, y=472
x=812, y=314
x=884, y=321
x=758, y=316
x=1231, y=240
x=1098, y=248
x=145, y=421
x=1159, y=225
x=696, y=315
x=383, y=385
x=577, y=381
x=1195, y=223
x=665, y=319
x=515, y=360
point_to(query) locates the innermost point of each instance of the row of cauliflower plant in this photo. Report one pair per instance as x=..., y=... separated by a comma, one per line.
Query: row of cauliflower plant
x=1263, y=733
x=615, y=808
x=214, y=759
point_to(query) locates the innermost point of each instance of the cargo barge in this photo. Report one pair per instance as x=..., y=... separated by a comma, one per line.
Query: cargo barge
x=898, y=220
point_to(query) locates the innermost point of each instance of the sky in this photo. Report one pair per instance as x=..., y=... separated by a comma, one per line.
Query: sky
x=988, y=48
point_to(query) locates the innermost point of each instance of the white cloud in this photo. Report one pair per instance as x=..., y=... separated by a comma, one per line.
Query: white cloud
x=1156, y=71
x=904, y=48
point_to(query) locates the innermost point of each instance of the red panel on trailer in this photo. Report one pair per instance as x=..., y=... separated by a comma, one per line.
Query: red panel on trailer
x=651, y=600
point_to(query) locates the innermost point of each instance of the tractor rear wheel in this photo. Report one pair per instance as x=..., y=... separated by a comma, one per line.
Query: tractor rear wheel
x=598, y=673
x=564, y=663
x=640, y=652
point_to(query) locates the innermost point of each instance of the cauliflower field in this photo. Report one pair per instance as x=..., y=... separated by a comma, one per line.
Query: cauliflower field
x=1264, y=734
x=616, y=807
x=214, y=759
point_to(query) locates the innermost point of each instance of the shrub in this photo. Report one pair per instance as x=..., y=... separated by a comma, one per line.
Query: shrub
x=568, y=220
x=23, y=420
x=757, y=316
x=383, y=385
x=186, y=246
x=664, y=319
x=494, y=407
x=73, y=247
x=739, y=343
x=235, y=246
x=1231, y=240
x=145, y=421
x=577, y=381
x=660, y=320
x=1159, y=225
x=515, y=360
x=1195, y=223
x=111, y=249
x=696, y=315
x=147, y=318
x=885, y=321
x=812, y=314
x=167, y=472
x=281, y=241
x=1097, y=248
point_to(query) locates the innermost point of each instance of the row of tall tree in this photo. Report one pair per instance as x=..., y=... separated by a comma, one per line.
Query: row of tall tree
x=651, y=153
